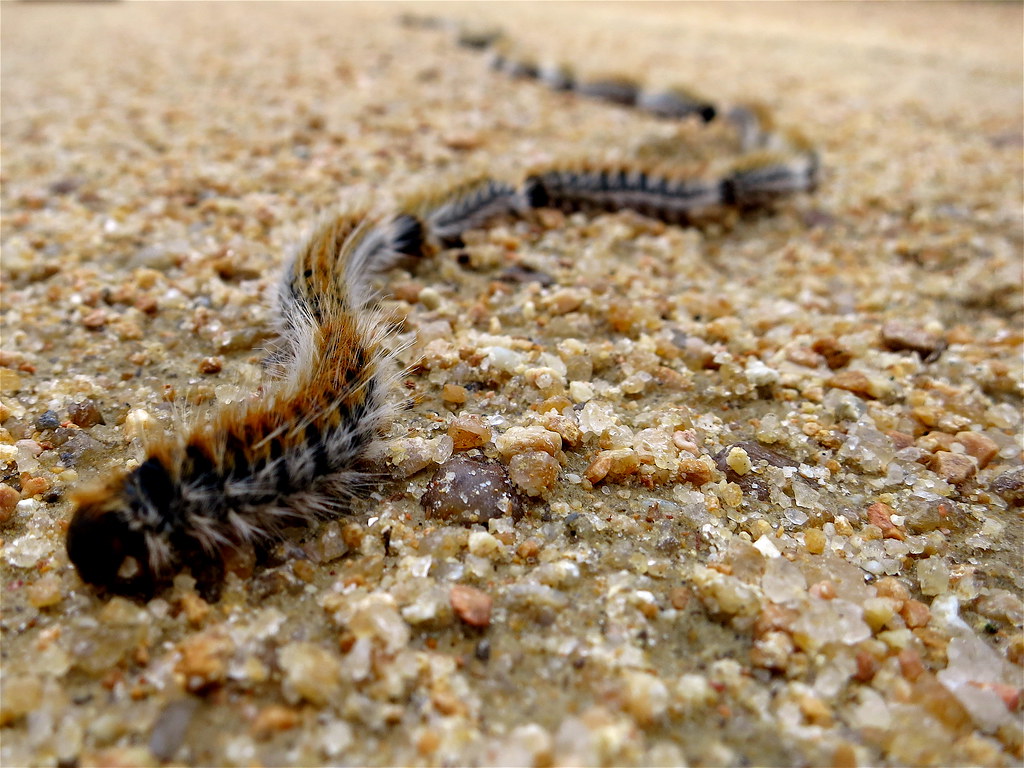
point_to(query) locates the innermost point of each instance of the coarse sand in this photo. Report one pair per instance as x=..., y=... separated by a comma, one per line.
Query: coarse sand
x=770, y=467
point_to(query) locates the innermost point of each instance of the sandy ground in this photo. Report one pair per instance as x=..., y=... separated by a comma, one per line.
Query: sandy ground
x=842, y=588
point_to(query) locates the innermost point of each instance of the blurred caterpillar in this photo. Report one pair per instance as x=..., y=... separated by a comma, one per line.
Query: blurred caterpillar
x=293, y=456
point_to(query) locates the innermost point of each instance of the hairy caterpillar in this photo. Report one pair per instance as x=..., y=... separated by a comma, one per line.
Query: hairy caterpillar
x=293, y=455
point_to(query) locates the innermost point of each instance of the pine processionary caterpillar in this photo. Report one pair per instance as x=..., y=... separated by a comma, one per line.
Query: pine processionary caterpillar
x=293, y=456
x=256, y=467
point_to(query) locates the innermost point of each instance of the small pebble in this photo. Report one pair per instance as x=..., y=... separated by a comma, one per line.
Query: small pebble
x=468, y=431
x=10, y=382
x=954, y=468
x=835, y=354
x=645, y=696
x=581, y=391
x=529, y=549
x=534, y=472
x=304, y=570
x=680, y=597
x=310, y=672
x=483, y=544
x=752, y=482
x=933, y=576
x=95, y=320
x=453, y=393
x=900, y=440
x=211, y=365
x=137, y=423
x=696, y=471
x=466, y=490
x=889, y=586
x=48, y=420
x=9, y=499
x=45, y=592
x=935, y=441
x=814, y=541
x=911, y=666
x=22, y=694
x=195, y=608
x=738, y=460
x=352, y=535
x=982, y=448
x=843, y=527
x=332, y=543
x=570, y=432
x=406, y=291
x=430, y=298
x=471, y=605
x=899, y=336
x=33, y=486
x=85, y=414
x=860, y=383
x=274, y=718
x=878, y=611
x=731, y=494
x=564, y=300
x=171, y=727
x=623, y=316
x=1010, y=485
x=613, y=466
x=880, y=514
x=409, y=455
x=823, y=590
x=376, y=617
x=524, y=439
x=462, y=140
x=1003, y=605
x=915, y=613
x=203, y=661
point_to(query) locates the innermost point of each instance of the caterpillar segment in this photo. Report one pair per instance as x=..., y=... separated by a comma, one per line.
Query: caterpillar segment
x=505, y=59
x=557, y=76
x=673, y=198
x=614, y=89
x=676, y=103
x=478, y=39
x=752, y=121
x=465, y=205
x=759, y=180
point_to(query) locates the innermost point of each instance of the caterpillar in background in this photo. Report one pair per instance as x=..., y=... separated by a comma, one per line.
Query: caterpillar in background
x=293, y=456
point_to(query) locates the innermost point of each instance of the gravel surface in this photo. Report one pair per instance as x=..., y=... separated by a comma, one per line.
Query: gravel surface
x=748, y=494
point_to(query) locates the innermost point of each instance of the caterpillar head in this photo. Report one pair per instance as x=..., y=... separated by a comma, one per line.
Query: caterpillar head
x=108, y=539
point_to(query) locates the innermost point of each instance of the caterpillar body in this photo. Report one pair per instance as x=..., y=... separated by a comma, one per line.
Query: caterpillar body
x=294, y=454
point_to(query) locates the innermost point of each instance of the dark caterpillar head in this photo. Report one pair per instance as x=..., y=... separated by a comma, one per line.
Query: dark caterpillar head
x=107, y=538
